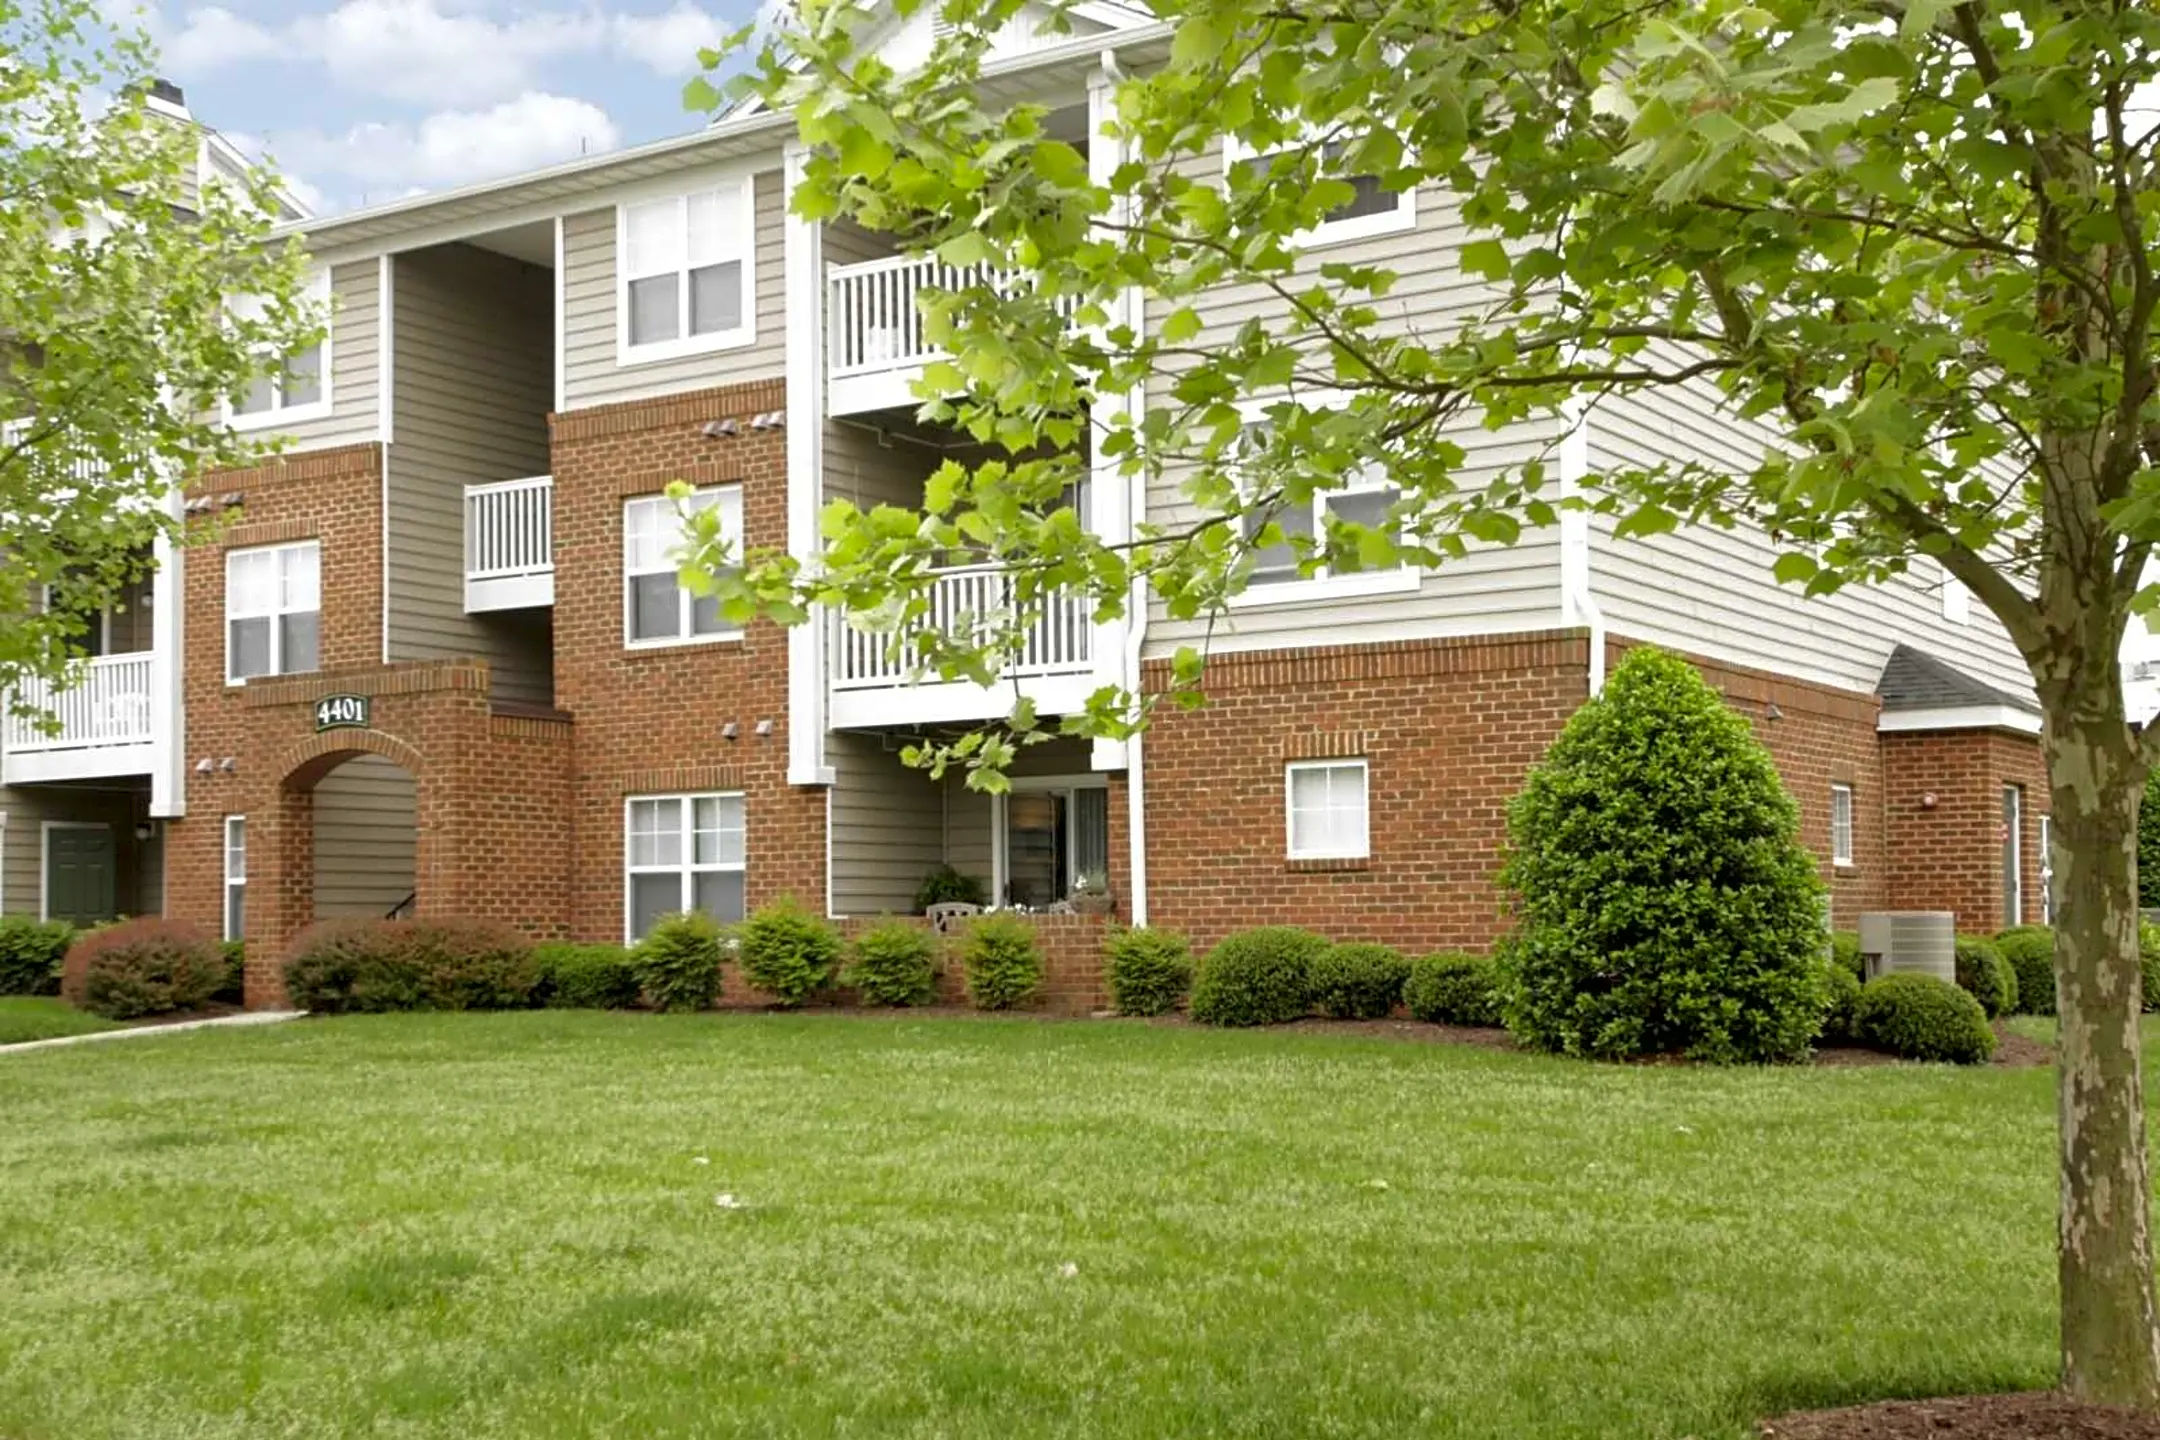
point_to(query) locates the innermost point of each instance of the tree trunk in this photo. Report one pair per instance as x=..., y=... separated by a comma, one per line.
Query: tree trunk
x=2110, y=1329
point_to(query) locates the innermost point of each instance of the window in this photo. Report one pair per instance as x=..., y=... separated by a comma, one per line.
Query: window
x=682, y=852
x=1051, y=833
x=656, y=608
x=1324, y=801
x=2013, y=855
x=1841, y=825
x=1373, y=210
x=273, y=605
x=1366, y=498
x=300, y=389
x=685, y=279
x=2047, y=873
x=235, y=877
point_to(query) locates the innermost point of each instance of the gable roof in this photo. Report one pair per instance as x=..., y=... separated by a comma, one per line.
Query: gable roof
x=1915, y=680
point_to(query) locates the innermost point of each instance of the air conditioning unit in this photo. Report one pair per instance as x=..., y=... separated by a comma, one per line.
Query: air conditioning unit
x=1921, y=942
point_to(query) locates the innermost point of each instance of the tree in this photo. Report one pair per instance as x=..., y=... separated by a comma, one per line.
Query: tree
x=116, y=347
x=1666, y=903
x=1913, y=237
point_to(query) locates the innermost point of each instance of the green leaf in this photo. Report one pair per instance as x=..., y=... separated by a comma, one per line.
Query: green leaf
x=1488, y=258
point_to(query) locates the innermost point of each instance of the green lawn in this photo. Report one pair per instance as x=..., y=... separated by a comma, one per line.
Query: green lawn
x=505, y=1226
x=31, y=1017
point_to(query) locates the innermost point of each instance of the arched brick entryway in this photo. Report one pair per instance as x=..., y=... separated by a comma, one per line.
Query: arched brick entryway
x=491, y=792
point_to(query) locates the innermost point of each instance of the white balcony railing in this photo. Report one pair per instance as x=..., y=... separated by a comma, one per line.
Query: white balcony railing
x=108, y=704
x=963, y=603
x=876, y=323
x=510, y=544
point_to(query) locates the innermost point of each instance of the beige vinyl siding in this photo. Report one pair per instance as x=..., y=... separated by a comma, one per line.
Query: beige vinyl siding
x=867, y=470
x=846, y=244
x=138, y=869
x=968, y=831
x=1711, y=592
x=473, y=379
x=591, y=374
x=355, y=381
x=1492, y=590
x=887, y=827
x=365, y=833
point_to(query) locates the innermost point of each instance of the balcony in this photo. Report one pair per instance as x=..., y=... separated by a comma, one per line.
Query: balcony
x=877, y=343
x=510, y=544
x=102, y=718
x=874, y=686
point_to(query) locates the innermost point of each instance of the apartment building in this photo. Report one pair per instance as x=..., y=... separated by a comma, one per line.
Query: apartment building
x=435, y=660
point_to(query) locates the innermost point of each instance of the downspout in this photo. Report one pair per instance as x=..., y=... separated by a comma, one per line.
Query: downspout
x=1578, y=605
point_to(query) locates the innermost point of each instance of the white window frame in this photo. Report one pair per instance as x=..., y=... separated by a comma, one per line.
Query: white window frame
x=743, y=249
x=235, y=830
x=1291, y=770
x=2014, y=838
x=1236, y=152
x=1841, y=826
x=1001, y=824
x=1324, y=584
x=2047, y=872
x=728, y=499
x=687, y=869
x=273, y=615
x=316, y=292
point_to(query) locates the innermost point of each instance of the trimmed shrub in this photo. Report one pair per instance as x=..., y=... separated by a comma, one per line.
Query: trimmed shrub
x=31, y=954
x=678, y=963
x=787, y=952
x=585, y=977
x=1004, y=967
x=892, y=963
x=1922, y=1018
x=1257, y=977
x=1983, y=974
x=1357, y=981
x=358, y=965
x=946, y=886
x=142, y=967
x=2148, y=844
x=2149, y=961
x=1841, y=989
x=1453, y=988
x=234, y=989
x=1666, y=904
x=1149, y=970
x=2030, y=949
x=1845, y=950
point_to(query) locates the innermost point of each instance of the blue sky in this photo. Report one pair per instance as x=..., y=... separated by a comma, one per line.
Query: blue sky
x=363, y=101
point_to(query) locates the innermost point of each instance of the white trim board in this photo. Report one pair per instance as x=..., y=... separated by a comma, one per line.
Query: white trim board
x=1959, y=717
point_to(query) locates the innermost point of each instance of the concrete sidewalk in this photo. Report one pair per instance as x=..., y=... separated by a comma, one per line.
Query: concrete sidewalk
x=249, y=1017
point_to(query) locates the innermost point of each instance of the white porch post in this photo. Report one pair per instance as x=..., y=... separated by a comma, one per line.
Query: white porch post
x=168, y=712
x=1113, y=502
x=807, y=677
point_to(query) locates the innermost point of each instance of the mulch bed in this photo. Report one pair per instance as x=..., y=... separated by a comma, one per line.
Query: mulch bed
x=2035, y=1415
x=2012, y=1052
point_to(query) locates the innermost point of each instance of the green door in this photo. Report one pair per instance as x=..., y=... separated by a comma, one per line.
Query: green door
x=79, y=874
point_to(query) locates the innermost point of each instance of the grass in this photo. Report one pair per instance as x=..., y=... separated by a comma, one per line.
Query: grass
x=506, y=1226
x=37, y=1017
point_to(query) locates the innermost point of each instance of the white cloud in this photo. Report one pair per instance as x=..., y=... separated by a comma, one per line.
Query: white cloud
x=669, y=42
x=440, y=52
x=450, y=147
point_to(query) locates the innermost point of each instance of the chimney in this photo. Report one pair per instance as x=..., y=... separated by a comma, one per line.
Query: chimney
x=167, y=99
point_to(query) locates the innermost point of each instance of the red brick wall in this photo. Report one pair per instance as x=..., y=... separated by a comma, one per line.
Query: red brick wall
x=1947, y=855
x=1449, y=728
x=649, y=720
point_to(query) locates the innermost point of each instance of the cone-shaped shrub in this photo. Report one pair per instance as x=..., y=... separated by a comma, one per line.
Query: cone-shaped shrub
x=1665, y=902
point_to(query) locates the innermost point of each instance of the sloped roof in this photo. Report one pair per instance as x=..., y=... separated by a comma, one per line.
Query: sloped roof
x=1915, y=680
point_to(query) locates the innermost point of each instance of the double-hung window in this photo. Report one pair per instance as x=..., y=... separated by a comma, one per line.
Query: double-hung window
x=299, y=389
x=657, y=610
x=685, y=282
x=1841, y=852
x=1324, y=805
x=1372, y=210
x=1367, y=498
x=682, y=852
x=273, y=610
x=235, y=877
